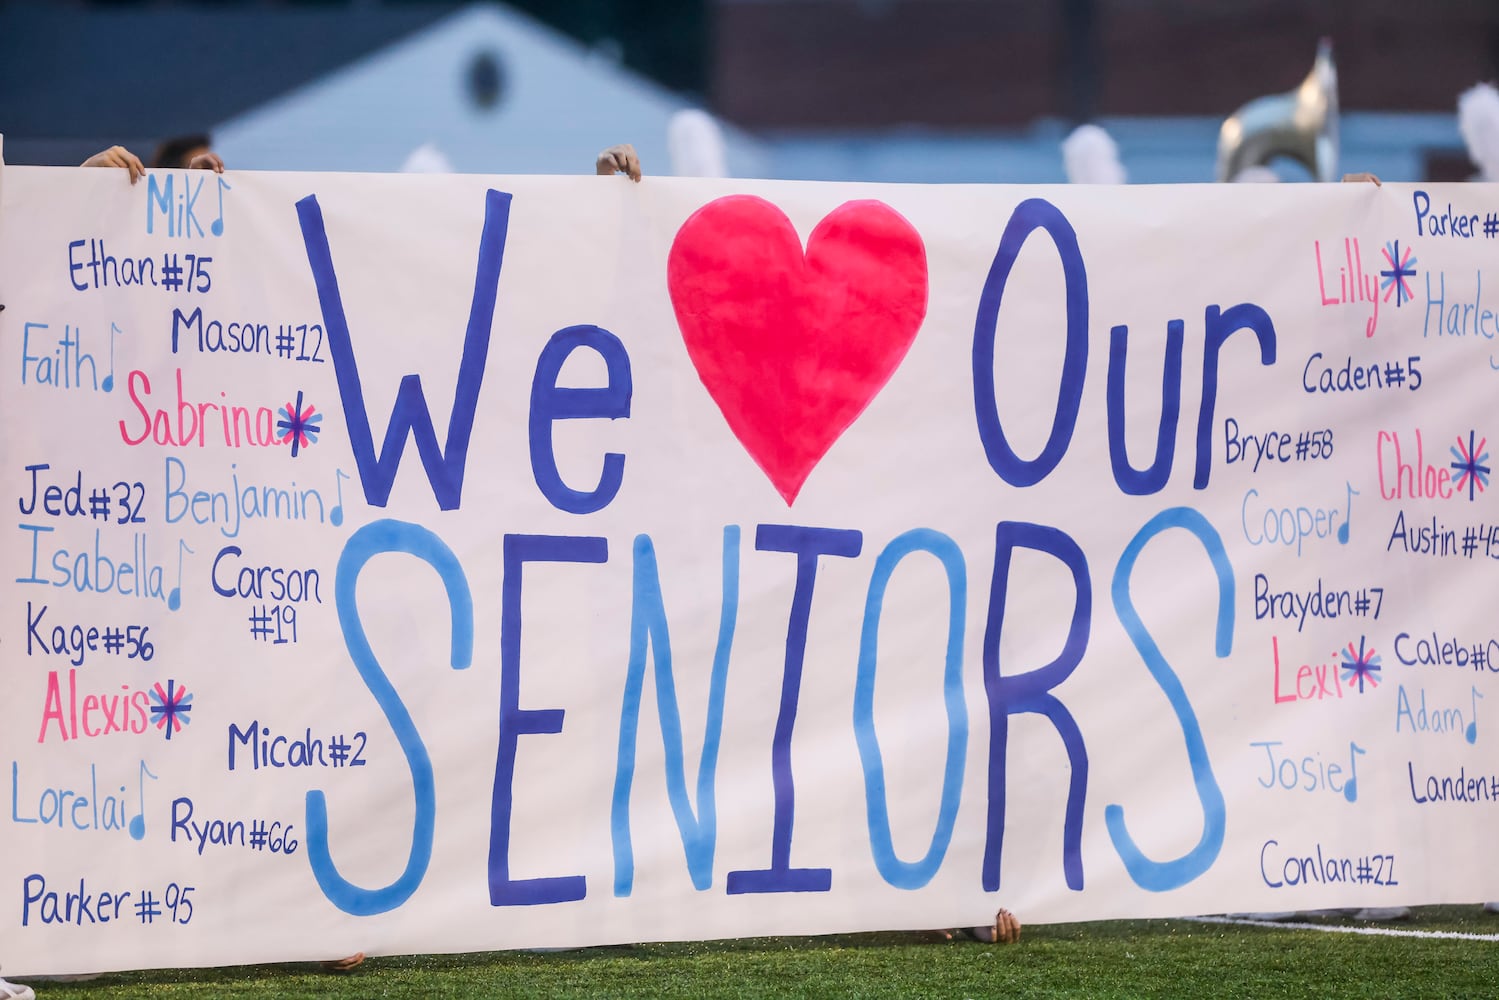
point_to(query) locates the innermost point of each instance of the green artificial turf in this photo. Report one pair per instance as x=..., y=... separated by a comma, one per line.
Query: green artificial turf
x=1117, y=959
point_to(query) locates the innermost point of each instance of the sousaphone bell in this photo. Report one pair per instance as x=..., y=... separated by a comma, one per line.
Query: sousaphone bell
x=1301, y=124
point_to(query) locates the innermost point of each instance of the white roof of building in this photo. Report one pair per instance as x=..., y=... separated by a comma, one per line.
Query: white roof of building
x=557, y=104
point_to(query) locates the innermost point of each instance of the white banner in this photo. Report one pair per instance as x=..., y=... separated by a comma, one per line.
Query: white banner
x=425, y=564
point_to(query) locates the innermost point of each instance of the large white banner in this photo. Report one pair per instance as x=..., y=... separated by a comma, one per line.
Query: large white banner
x=417, y=564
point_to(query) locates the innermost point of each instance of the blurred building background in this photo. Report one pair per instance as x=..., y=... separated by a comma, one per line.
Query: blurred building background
x=890, y=90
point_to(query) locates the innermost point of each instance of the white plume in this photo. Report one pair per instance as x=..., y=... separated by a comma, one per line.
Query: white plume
x=695, y=144
x=1090, y=156
x=1478, y=121
x=427, y=159
x=1256, y=174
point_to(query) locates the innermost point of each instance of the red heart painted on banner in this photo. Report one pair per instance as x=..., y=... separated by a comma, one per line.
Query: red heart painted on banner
x=793, y=346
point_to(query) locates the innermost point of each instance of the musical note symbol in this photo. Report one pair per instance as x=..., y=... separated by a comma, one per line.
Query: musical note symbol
x=1350, y=788
x=1348, y=518
x=174, y=599
x=1472, y=733
x=336, y=515
x=108, y=385
x=138, y=822
x=218, y=224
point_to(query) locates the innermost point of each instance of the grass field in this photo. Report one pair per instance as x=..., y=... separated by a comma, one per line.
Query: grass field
x=1119, y=959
